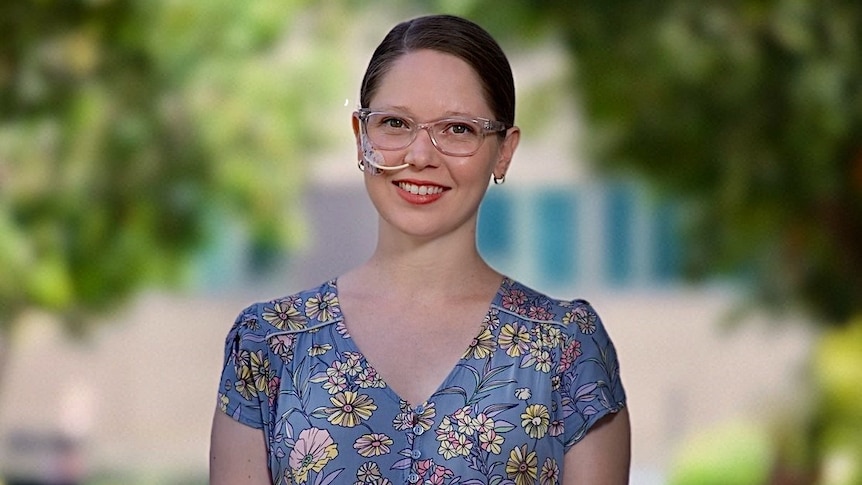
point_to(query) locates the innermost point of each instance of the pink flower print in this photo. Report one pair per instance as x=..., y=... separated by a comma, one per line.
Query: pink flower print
x=440, y=474
x=314, y=448
x=571, y=352
x=540, y=313
x=556, y=428
x=422, y=467
x=513, y=300
x=274, y=385
x=586, y=320
x=282, y=345
x=550, y=474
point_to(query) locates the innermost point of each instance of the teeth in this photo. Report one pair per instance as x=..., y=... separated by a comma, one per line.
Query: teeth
x=420, y=189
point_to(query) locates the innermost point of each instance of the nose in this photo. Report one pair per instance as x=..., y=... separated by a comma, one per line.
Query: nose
x=422, y=152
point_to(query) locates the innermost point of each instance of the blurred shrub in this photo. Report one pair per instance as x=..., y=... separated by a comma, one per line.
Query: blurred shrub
x=737, y=453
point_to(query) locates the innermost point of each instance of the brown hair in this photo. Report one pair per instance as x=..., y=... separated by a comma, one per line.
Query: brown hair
x=451, y=35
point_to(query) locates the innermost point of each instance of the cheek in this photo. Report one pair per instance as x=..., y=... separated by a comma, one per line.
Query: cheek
x=474, y=167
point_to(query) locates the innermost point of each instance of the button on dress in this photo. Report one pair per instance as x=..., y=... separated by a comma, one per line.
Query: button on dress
x=529, y=386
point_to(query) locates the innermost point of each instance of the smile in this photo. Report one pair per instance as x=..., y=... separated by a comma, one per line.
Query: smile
x=420, y=189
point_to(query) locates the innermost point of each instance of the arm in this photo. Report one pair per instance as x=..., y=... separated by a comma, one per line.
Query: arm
x=237, y=453
x=603, y=456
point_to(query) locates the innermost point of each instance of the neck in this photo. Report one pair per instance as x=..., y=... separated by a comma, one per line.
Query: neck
x=440, y=267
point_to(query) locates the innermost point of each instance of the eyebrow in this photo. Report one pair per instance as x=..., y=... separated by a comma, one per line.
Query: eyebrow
x=447, y=114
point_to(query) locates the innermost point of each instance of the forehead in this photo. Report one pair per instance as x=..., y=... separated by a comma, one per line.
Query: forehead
x=428, y=83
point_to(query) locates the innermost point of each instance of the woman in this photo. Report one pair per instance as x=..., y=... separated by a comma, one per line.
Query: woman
x=366, y=379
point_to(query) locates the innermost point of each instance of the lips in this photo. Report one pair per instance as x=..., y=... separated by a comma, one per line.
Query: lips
x=419, y=193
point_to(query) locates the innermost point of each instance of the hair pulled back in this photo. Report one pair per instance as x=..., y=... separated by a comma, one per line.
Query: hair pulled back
x=450, y=35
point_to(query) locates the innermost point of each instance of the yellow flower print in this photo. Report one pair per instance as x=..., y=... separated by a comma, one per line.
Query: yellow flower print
x=585, y=319
x=464, y=421
x=462, y=444
x=522, y=466
x=334, y=384
x=552, y=337
x=492, y=319
x=244, y=383
x=349, y=408
x=514, y=339
x=374, y=444
x=313, y=450
x=282, y=314
x=368, y=472
x=319, y=349
x=535, y=420
x=490, y=441
x=243, y=358
x=223, y=401
x=425, y=415
x=482, y=345
x=368, y=378
x=260, y=372
x=445, y=428
x=482, y=423
x=447, y=448
x=322, y=307
x=543, y=361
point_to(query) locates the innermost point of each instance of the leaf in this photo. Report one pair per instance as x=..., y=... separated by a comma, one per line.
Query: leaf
x=586, y=388
x=494, y=409
x=319, y=377
x=452, y=390
x=491, y=385
x=320, y=413
x=328, y=478
x=503, y=426
x=402, y=464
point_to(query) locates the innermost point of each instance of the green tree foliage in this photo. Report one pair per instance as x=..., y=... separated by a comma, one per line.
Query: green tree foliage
x=749, y=111
x=127, y=127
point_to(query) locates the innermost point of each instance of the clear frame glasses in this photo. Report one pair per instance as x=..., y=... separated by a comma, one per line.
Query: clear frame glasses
x=457, y=137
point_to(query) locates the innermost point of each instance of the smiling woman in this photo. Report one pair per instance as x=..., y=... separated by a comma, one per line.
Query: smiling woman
x=424, y=364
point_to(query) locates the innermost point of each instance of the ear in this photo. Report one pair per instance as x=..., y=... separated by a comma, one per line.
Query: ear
x=355, y=123
x=507, y=151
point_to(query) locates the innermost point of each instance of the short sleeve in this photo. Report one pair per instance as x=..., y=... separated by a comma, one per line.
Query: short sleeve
x=244, y=380
x=590, y=379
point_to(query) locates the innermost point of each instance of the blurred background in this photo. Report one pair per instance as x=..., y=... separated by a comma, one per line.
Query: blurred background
x=694, y=169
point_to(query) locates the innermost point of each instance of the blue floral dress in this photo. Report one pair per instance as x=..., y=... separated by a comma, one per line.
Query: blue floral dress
x=534, y=380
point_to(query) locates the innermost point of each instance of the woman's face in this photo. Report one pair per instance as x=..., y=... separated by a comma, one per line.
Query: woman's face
x=435, y=194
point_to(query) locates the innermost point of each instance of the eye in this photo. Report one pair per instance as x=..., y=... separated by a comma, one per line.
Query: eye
x=393, y=122
x=459, y=128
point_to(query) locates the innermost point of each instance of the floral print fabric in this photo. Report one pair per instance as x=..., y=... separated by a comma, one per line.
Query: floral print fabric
x=538, y=375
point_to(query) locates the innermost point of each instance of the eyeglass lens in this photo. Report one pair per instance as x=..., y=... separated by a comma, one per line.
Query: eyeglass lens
x=457, y=137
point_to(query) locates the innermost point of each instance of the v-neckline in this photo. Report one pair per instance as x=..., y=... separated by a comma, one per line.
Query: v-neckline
x=388, y=389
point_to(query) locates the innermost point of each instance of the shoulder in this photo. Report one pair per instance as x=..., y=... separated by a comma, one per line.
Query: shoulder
x=297, y=312
x=535, y=306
